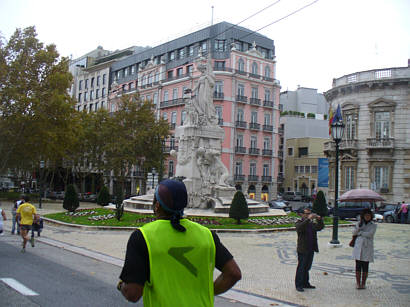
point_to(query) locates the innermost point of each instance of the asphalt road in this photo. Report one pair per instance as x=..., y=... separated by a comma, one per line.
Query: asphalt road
x=61, y=278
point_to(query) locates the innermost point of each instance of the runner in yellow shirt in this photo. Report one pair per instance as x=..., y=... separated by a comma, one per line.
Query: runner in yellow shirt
x=26, y=213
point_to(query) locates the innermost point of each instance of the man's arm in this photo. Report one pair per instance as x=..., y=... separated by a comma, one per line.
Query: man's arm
x=3, y=214
x=231, y=273
x=132, y=291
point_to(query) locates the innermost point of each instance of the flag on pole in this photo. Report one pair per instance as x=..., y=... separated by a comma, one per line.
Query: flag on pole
x=330, y=120
x=338, y=115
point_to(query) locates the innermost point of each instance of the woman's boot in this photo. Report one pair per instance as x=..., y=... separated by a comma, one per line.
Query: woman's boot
x=364, y=277
x=358, y=276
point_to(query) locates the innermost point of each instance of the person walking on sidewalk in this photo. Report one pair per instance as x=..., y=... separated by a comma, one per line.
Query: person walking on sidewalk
x=363, y=250
x=2, y=218
x=14, y=221
x=307, y=229
x=170, y=261
x=26, y=214
x=403, y=212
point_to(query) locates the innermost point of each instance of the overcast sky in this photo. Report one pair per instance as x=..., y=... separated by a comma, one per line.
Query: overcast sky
x=327, y=40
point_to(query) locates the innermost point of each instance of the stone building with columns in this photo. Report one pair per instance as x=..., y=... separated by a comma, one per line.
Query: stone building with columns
x=375, y=150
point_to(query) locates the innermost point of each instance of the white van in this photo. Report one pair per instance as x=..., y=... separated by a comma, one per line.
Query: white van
x=290, y=195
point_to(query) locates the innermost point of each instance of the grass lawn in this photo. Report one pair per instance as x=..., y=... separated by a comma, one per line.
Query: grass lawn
x=106, y=217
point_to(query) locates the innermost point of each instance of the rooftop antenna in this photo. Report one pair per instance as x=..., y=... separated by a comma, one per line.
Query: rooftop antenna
x=212, y=16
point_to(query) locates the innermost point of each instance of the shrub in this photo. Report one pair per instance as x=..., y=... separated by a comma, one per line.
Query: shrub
x=311, y=115
x=325, y=117
x=319, y=205
x=103, y=198
x=239, y=207
x=71, y=202
x=119, y=206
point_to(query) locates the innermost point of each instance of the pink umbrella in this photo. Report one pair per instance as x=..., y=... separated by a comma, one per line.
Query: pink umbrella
x=360, y=195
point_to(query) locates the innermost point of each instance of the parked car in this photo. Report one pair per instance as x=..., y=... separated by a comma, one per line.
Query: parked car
x=387, y=207
x=277, y=204
x=392, y=216
x=56, y=194
x=350, y=209
x=295, y=196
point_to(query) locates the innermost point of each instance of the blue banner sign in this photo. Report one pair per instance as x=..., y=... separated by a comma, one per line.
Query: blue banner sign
x=323, y=173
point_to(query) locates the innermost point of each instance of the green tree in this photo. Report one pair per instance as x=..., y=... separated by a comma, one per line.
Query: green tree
x=132, y=137
x=71, y=202
x=319, y=204
x=36, y=111
x=239, y=207
x=103, y=197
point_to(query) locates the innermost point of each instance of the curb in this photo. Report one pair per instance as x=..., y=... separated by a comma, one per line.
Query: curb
x=119, y=228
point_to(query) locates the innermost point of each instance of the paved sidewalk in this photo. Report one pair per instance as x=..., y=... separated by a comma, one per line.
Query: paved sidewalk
x=268, y=263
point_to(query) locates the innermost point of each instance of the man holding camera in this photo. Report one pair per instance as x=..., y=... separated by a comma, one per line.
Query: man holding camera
x=307, y=229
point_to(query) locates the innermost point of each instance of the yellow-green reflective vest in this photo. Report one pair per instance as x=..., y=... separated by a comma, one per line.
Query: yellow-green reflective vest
x=181, y=265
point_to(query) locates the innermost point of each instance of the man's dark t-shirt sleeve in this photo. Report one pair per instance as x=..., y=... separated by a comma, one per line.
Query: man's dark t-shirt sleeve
x=136, y=265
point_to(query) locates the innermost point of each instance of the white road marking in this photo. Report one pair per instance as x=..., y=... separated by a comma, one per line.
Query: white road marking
x=19, y=287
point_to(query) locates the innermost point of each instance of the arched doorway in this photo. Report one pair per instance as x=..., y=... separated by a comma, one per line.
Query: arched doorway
x=265, y=193
x=252, y=192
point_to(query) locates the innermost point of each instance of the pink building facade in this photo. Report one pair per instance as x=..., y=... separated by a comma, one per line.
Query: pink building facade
x=246, y=97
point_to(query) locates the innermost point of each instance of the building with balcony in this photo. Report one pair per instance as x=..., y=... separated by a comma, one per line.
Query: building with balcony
x=246, y=96
x=375, y=150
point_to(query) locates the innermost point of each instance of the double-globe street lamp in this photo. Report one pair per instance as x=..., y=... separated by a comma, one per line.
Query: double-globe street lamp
x=337, y=135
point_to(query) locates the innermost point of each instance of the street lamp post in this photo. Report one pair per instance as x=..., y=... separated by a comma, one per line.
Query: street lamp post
x=337, y=135
x=41, y=182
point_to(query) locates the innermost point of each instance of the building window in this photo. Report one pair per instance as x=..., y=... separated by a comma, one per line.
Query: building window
x=175, y=94
x=86, y=84
x=241, y=90
x=155, y=98
x=267, y=95
x=191, y=50
x=102, y=104
x=349, y=178
x=238, y=168
x=254, y=141
x=125, y=71
x=218, y=110
x=80, y=85
x=156, y=77
x=85, y=96
x=220, y=45
x=266, y=170
x=254, y=68
x=267, y=71
x=189, y=69
x=204, y=47
x=97, y=93
x=350, y=130
x=96, y=106
x=79, y=97
x=219, y=65
x=241, y=65
x=132, y=69
x=165, y=116
x=290, y=151
x=313, y=169
x=103, y=92
x=381, y=177
x=179, y=72
x=252, y=169
x=150, y=78
x=254, y=117
x=296, y=169
x=255, y=92
x=382, y=125
x=91, y=107
x=172, y=55
x=173, y=118
x=183, y=116
x=104, y=78
x=170, y=74
x=98, y=80
x=266, y=120
x=266, y=143
x=219, y=88
x=92, y=82
x=181, y=53
x=239, y=115
x=165, y=96
x=303, y=151
x=239, y=140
